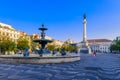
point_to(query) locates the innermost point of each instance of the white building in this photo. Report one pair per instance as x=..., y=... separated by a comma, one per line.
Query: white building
x=70, y=41
x=99, y=45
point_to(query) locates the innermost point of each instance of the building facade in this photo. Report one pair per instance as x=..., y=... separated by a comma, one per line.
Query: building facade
x=100, y=45
x=38, y=36
x=69, y=41
x=7, y=32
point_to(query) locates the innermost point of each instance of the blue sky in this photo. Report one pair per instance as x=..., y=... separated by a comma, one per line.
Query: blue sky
x=63, y=18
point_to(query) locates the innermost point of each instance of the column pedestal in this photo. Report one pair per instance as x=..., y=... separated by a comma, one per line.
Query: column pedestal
x=85, y=49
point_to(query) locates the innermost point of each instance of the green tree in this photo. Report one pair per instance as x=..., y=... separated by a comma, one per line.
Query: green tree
x=7, y=45
x=22, y=42
x=69, y=47
x=11, y=46
x=115, y=46
x=34, y=45
x=50, y=47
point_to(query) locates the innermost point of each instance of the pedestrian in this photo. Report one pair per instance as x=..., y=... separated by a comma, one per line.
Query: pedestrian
x=94, y=54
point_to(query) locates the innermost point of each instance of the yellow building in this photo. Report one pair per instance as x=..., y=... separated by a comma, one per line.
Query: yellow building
x=7, y=32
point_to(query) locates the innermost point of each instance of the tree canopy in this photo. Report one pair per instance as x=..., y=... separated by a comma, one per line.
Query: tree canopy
x=115, y=46
x=22, y=42
x=7, y=45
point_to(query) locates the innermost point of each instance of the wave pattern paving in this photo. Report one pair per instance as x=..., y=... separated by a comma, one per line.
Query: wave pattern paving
x=101, y=67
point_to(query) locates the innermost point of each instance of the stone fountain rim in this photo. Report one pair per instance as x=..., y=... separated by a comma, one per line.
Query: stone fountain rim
x=38, y=60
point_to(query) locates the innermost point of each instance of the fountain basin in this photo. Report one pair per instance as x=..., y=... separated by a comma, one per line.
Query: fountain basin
x=42, y=40
x=38, y=60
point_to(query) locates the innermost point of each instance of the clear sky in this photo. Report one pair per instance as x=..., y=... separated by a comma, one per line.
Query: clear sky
x=63, y=18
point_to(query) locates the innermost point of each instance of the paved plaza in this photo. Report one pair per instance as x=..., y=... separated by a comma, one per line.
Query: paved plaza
x=101, y=67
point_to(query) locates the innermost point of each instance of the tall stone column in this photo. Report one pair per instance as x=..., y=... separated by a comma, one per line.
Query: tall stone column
x=84, y=30
x=85, y=47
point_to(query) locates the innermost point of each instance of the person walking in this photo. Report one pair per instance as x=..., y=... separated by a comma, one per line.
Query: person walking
x=94, y=54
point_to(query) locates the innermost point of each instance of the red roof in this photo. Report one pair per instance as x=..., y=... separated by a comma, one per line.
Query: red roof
x=98, y=40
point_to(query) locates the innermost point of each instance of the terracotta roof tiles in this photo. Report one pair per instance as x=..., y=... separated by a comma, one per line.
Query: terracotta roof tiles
x=98, y=40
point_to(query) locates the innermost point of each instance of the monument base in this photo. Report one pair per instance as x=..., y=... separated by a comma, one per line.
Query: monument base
x=85, y=50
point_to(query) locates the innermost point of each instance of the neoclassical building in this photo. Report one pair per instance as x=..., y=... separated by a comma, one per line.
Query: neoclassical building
x=7, y=32
x=99, y=45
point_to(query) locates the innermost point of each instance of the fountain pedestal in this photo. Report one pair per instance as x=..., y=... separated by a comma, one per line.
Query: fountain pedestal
x=43, y=42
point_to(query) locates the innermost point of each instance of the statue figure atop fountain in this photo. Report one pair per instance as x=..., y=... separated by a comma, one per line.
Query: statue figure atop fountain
x=42, y=33
x=43, y=42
